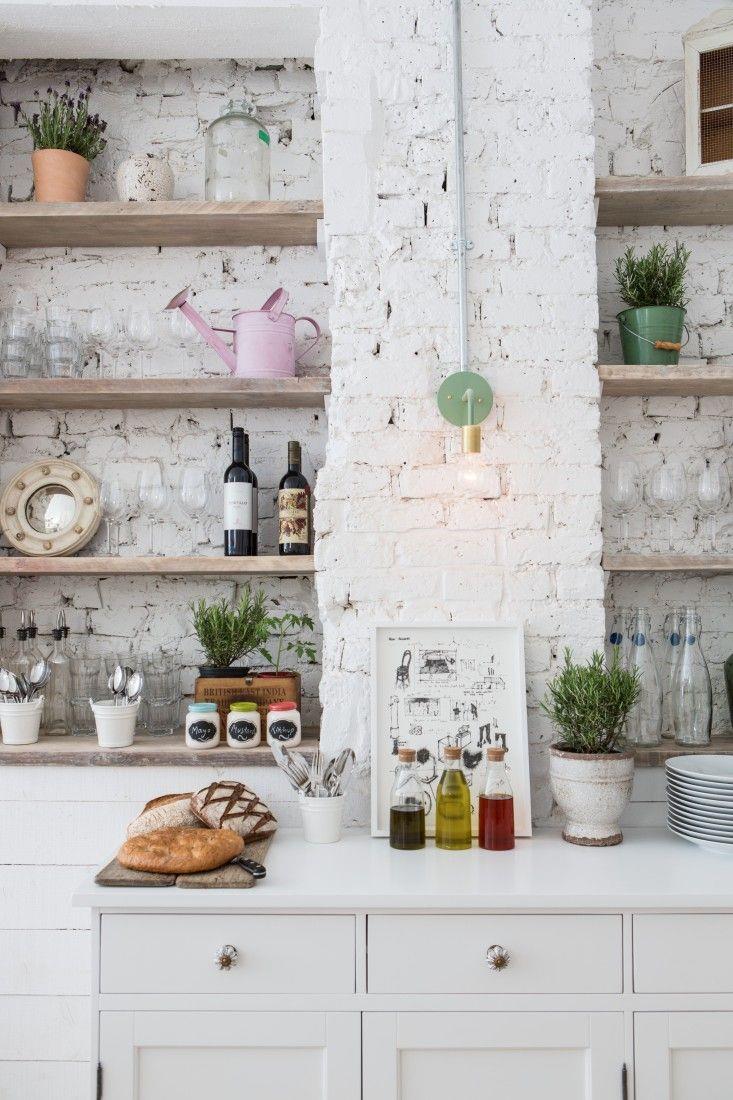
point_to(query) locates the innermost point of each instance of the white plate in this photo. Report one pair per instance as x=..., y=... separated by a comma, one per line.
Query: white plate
x=709, y=845
x=707, y=813
x=698, y=831
x=719, y=769
x=685, y=821
x=707, y=789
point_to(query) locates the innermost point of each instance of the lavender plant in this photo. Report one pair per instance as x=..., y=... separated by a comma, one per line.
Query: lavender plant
x=63, y=122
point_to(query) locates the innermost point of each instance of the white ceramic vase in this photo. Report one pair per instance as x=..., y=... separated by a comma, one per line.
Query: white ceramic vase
x=144, y=178
x=592, y=791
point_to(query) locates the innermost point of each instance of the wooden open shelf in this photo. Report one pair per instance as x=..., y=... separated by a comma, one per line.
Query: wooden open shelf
x=266, y=565
x=705, y=565
x=655, y=756
x=147, y=751
x=164, y=393
x=685, y=380
x=152, y=224
x=665, y=200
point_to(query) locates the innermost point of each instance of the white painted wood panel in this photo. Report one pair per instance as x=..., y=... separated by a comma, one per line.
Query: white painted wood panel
x=44, y=1080
x=276, y=954
x=47, y=1029
x=65, y=836
x=431, y=1056
x=447, y=954
x=43, y=961
x=268, y=1055
x=683, y=1055
x=40, y=897
x=683, y=953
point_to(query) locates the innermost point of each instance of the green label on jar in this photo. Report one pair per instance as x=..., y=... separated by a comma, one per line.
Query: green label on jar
x=264, y=136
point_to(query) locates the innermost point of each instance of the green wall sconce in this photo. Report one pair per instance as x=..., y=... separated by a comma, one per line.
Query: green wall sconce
x=465, y=399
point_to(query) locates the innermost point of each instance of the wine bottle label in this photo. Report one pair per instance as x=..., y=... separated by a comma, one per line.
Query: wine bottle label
x=239, y=509
x=292, y=510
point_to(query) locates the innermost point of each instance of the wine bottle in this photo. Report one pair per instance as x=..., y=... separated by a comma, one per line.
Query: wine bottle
x=240, y=501
x=293, y=507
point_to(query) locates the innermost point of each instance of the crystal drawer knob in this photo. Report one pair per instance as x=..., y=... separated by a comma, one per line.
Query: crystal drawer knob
x=497, y=957
x=226, y=957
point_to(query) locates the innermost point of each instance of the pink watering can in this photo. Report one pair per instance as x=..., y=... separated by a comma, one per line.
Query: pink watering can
x=264, y=339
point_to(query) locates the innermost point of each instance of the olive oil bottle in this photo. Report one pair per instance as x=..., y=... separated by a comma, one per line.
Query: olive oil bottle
x=407, y=805
x=453, y=805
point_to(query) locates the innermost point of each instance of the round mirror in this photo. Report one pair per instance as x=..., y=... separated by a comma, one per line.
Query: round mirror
x=50, y=510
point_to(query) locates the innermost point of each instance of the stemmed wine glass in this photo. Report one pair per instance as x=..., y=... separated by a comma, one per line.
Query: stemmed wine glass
x=100, y=332
x=192, y=492
x=140, y=327
x=713, y=494
x=667, y=491
x=153, y=498
x=113, y=500
x=624, y=487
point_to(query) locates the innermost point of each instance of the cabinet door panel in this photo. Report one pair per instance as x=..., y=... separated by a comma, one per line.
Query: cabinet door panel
x=521, y=1055
x=151, y=1055
x=684, y=1055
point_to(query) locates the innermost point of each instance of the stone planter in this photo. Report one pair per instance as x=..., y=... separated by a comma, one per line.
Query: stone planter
x=59, y=176
x=592, y=791
x=144, y=178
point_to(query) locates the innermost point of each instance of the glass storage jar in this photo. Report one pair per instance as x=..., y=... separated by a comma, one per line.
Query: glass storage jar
x=237, y=156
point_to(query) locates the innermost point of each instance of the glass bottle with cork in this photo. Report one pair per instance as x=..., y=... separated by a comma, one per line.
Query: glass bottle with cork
x=406, y=805
x=496, y=805
x=453, y=804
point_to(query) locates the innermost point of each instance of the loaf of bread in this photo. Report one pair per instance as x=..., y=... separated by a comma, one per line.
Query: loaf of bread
x=230, y=805
x=166, y=812
x=180, y=851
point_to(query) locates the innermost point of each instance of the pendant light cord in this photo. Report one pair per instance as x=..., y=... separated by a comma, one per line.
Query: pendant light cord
x=461, y=245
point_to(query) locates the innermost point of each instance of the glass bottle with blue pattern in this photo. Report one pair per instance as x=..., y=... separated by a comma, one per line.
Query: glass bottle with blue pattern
x=691, y=696
x=672, y=631
x=644, y=724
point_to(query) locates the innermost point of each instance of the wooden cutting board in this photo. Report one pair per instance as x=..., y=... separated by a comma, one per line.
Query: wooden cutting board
x=229, y=877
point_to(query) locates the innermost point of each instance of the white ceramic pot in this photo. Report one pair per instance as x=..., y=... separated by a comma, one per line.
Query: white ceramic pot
x=21, y=722
x=115, y=725
x=592, y=791
x=322, y=818
x=144, y=178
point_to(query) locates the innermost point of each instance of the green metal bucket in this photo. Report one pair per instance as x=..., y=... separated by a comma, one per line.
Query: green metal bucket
x=642, y=328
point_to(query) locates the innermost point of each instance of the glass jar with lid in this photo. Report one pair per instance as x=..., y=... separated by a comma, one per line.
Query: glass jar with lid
x=237, y=156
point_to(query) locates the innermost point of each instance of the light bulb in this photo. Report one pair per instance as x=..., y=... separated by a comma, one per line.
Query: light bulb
x=468, y=470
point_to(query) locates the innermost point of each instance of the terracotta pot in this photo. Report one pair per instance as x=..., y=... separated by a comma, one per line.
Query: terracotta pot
x=592, y=791
x=59, y=176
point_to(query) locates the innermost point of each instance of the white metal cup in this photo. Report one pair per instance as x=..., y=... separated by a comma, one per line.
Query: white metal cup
x=322, y=818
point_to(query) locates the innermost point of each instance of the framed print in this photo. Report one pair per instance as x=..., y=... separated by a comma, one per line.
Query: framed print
x=449, y=684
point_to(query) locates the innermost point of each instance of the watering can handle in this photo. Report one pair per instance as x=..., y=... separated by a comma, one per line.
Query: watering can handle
x=276, y=303
x=314, y=341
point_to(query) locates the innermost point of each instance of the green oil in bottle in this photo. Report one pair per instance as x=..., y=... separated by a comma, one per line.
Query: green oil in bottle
x=453, y=805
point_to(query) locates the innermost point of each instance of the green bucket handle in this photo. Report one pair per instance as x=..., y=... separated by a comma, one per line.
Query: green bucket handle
x=661, y=345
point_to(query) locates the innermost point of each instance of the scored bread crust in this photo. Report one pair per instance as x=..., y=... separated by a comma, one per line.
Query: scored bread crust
x=180, y=850
x=165, y=811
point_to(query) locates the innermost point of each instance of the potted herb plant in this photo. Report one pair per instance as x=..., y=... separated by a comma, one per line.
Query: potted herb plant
x=66, y=139
x=653, y=287
x=227, y=634
x=590, y=775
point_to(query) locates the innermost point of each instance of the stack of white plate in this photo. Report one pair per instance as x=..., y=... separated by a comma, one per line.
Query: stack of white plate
x=700, y=800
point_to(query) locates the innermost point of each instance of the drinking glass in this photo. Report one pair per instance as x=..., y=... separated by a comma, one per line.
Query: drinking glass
x=644, y=723
x=142, y=331
x=113, y=500
x=713, y=494
x=17, y=342
x=192, y=493
x=85, y=683
x=153, y=498
x=667, y=491
x=624, y=487
x=162, y=695
x=63, y=343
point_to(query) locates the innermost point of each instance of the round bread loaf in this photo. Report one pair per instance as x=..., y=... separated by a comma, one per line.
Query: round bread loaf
x=180, y=851
x=165, y=812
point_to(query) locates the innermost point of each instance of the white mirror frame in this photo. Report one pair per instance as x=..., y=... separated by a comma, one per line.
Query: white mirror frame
x=87, y=509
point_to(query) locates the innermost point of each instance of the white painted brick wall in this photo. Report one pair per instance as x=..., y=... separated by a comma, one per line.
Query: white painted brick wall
x=639, y=103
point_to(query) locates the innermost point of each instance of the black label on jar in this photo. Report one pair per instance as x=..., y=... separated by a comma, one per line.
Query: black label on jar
x=283, y=730
x=202, y=731
x=242, y=731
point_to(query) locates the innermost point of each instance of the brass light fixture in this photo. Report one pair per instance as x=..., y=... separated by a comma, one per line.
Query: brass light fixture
x=465, y=399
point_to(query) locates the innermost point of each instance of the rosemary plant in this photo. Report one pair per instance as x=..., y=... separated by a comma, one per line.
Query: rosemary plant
x=656, y=279
x=589, y=704
x=229, y=633
x=63, y=122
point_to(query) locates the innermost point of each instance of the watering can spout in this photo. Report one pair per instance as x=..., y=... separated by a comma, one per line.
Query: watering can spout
x=180, y=301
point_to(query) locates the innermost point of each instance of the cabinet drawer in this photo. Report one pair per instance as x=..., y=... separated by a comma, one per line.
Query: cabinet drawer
x=683, y=953
x=547, y=954
x=178, y=954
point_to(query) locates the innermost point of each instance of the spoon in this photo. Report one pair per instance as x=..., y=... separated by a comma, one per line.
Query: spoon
x=117, y=682
x=38, y=677
x=134, y=687
x=8, y=684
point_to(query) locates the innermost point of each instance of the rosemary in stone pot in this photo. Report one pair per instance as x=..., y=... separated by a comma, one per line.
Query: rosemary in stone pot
x=589, y=704
x=227, y=633
x=653, y=287
x=590, y=777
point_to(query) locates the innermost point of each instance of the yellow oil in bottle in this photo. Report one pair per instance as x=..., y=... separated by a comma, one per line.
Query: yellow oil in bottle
x=453, y=805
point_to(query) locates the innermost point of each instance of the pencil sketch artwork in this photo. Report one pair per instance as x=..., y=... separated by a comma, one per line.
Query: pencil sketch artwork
x=449, y=685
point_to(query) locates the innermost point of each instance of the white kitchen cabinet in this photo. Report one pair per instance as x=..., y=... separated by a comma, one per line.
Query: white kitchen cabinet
x=517, y=1055
x=684, y=1055
x=267, y=1055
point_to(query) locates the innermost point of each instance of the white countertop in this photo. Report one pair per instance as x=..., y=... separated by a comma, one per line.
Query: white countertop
x=652, y=869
